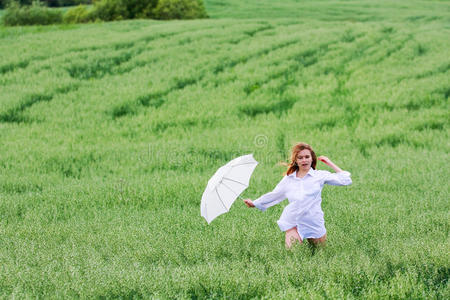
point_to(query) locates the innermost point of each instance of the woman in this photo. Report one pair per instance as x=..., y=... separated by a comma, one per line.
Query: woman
x=302, y=185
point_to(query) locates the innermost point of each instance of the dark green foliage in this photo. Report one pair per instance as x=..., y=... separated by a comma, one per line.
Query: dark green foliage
x=79, y=14
x=35, y=14
x=109, y=10
x=4, y=3
x=139, y=8
x=180, y=9
x=49, y=3
x=59, y=3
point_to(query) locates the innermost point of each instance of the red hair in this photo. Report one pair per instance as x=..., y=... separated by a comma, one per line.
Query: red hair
x=292, y=166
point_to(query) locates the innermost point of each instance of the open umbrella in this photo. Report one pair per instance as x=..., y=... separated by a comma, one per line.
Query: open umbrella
x=226, y=185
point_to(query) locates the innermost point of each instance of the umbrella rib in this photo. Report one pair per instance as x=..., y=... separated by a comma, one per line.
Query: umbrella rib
x=247, y=163
x=221, y=201
x=230, y=189
x=234, y=181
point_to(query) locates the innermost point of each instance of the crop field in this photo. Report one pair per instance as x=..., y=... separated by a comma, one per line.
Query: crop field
x=110, y=131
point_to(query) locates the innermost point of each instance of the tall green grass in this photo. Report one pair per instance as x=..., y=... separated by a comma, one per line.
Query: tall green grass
x=326, y=10
x=110, y=136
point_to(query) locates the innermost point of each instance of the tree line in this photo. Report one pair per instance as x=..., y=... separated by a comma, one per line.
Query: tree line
x=40, y=12
x=49, y=3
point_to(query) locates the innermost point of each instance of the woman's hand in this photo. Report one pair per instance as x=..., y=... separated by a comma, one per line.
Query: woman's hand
x=328, y=162
x=325, y=160
x=249, y=203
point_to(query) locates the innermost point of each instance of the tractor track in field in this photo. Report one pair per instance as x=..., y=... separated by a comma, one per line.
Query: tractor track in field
x=305, y=58
x=10, y=67
x=15, y=114
x=112, y=65
x=154, y=99
x=14, y=66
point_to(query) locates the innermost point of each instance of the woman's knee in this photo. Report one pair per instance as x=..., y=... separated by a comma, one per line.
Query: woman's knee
x=318, y=241
x=292, y=236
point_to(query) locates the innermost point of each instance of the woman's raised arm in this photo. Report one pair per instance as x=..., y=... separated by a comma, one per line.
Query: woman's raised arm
x=328, y=162
x=339, y=178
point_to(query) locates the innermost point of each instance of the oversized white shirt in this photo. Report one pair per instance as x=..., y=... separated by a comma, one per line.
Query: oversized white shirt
x=304, y=196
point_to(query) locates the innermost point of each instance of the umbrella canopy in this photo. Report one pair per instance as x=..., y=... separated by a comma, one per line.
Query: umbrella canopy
x=226, y=185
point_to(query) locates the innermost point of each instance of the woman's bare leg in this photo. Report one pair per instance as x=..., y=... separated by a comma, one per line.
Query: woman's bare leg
x=291, y=236
x=319, y=241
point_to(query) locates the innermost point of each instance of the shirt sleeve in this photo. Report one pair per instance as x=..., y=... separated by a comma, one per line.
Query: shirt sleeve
x=273, y=197
x=339, y=178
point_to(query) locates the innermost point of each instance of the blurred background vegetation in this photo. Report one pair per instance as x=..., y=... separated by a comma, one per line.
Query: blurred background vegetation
x=49, y=3
x=41, y=12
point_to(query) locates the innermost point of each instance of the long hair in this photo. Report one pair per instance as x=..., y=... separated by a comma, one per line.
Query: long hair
x=292, y=166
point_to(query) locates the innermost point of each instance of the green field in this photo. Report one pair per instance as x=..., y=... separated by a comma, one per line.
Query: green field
x=110, y=132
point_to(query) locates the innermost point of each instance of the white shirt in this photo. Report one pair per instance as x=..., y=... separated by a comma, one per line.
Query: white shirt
x=304, y=195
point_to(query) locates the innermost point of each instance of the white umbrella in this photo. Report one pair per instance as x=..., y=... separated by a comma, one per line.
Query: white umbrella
x=226, y=185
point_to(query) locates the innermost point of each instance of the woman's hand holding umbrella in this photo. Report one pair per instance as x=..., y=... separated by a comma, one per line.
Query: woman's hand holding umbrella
x=249, y=203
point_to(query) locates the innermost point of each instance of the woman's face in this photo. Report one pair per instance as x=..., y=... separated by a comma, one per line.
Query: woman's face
x=304, y=160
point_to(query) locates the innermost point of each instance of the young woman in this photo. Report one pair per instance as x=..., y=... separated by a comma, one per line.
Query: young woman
x=302, y=185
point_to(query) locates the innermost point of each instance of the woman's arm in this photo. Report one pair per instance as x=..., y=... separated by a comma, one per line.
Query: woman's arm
x=269, y=199
x=339, y=178
x=249, y=203
x=328, y=162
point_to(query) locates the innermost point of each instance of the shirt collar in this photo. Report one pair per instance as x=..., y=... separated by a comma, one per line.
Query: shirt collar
x=310, y=172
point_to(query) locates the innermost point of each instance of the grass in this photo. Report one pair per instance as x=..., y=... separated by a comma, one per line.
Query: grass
x=110, y=135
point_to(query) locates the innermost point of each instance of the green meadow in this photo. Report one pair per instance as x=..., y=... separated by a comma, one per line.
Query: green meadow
x=110, y=132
